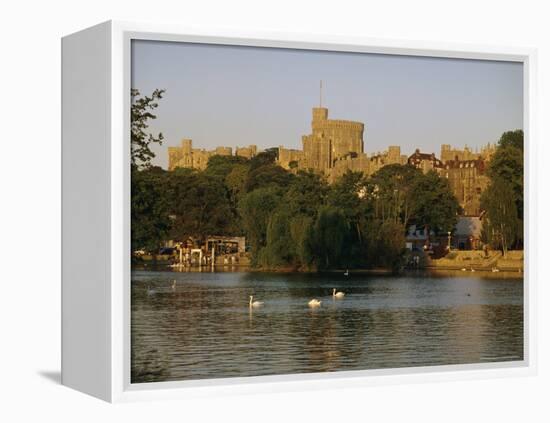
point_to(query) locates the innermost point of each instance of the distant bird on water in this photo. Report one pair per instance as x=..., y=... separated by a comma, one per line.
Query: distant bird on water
x=174, y=285
x=346, y=273
x=150, y=290
x=338, y=294
x=314, y=303
x=254, y=304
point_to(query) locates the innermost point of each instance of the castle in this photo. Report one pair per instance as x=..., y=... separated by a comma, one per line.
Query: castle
x=336, y=146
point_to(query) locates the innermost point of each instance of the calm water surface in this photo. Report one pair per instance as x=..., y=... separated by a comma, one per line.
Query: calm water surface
x=204, y=328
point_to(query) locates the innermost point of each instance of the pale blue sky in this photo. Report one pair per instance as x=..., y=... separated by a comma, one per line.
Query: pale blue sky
x=236, y=96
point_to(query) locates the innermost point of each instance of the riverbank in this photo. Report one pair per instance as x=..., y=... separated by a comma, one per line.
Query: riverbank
x=352, y=273
x=479, y=261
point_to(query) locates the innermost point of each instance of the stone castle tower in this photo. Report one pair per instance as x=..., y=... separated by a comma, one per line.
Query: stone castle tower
x=330, y=140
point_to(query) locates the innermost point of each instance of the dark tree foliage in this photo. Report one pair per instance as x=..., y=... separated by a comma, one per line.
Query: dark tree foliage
x=268, y=175
x=280, y=248
x=199, y=205
x=266, y=157
x=501, y=223
x=305, y=194
x=502, y=201
x=221, y=166
x=141, y=140
x=235, y=181
x=149, y=211
x=255, y=209
x=386, y=244
x=435, y=206
x=507, y=164
x=512, y=139
x=393, y=192
x=330, y=238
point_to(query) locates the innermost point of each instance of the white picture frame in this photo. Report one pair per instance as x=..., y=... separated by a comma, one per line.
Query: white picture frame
x=96, y=227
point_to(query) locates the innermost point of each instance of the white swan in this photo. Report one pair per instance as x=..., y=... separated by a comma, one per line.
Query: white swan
x=314, y=303
x=346, y=273
x=174, y=285
x=338, y=294
x=252, y=303
x=463, y=269
x=495, y=270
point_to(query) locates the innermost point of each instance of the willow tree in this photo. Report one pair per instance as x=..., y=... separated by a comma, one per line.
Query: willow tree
x=331, y=237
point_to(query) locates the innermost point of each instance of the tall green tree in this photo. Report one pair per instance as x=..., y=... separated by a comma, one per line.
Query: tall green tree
x=149, y=209
x=236, y=183
x=435, y=208
x=306, y=192
x=141, y=139
x=255, y=209
x=507, y=165
x=199, y=205
x=267, y=175
x=392, y=190
x=280, y=248
x=301, y=232
x=500, y=221
x=330, y=238
x=386, y=241
x=222, y=166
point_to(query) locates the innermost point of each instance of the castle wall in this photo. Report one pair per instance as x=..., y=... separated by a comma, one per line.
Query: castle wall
x=223, y=151
x=287, y=155
x=188, y=157
x=361, y=163
x=246, y=152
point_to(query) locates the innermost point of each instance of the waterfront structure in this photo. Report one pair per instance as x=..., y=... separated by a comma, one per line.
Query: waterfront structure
x=188, y=157
x=467, y=234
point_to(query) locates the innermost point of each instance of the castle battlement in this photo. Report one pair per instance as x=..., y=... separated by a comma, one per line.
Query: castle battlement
x=335, y=123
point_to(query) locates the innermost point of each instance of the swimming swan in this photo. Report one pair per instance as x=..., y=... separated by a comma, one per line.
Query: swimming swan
x=337, y=294
x=314, y=303
x=254, y=303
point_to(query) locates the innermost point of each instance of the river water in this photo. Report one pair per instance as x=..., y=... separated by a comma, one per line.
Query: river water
x=203, y=326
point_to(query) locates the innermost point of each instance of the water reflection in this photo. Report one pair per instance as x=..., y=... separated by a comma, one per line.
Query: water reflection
x=202, y=327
